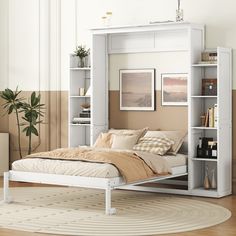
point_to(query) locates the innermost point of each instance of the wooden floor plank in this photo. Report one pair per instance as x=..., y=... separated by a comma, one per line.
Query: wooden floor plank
x=225, y=229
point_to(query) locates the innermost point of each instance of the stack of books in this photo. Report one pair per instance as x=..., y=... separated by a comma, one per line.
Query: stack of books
x=84, y=117
x=211, y=119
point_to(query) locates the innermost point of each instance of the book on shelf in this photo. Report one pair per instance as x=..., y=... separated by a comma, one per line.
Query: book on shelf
x=211, y=118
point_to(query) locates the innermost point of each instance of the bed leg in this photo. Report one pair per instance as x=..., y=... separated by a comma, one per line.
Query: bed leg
x=109, y=209
x=6, y=197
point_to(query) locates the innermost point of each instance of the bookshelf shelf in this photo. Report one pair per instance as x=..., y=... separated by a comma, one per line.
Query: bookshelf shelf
x=204, y=159
x=204, y=65
x=80, y=68
x=202, y=127
x=80, y=124
x=203, y=96
x=201, y=191
x=75, y=96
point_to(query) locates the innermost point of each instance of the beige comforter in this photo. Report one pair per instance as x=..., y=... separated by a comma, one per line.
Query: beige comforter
x=132, y=166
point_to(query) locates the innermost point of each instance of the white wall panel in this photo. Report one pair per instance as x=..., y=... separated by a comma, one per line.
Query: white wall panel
x=3, y=44
x=68, y=38
x=41, y=36
x=24, y=44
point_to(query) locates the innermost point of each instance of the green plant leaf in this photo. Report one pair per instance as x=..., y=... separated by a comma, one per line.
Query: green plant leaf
x=34, y=131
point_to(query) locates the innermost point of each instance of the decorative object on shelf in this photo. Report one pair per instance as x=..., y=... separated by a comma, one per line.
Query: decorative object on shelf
x=179, y=13
x=106, y=20
x=137, y=90
x=109, y=17
x=209, y=57
x=174, y=89
x=207, y=148
x=85, y=106
x=89, y=92
x=81, y=91
x=213, y=179
x=203, y=119
x=209, y=87
x=206, y=178
x=82, y=53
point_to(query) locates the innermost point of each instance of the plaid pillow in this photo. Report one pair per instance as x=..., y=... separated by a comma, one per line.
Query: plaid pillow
x=154, y=145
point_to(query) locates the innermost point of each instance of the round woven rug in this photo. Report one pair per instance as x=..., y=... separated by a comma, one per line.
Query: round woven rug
x=74, y=211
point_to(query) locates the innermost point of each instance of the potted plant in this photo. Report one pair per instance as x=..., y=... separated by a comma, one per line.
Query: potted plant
x=31, y=110
x=13, y=104
x=82, y=53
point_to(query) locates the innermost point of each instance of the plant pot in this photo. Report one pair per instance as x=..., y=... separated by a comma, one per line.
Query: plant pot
x=81, y=62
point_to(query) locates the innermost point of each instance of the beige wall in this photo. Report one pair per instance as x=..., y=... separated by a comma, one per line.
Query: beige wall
x=162, y=118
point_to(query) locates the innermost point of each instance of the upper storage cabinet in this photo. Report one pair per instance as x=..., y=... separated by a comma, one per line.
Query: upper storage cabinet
x=157, y=41
x=164, y=37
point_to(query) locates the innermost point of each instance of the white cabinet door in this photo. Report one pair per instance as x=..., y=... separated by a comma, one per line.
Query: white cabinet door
x=224, y=120
x=4, y=152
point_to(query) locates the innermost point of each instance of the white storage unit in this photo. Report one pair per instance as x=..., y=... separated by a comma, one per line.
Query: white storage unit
x=174, y=37
x=222, y=132
x=4, y=153
x=86, y=134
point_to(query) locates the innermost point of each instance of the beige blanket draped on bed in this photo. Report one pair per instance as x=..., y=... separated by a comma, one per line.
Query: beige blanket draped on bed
x=132, y=166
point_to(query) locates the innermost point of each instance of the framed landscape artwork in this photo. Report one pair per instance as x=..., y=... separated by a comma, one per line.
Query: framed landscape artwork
x=174, y=89
x=137, y=90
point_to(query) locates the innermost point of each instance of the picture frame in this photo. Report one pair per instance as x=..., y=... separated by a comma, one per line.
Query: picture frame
x=174, y=89
x=137, y=89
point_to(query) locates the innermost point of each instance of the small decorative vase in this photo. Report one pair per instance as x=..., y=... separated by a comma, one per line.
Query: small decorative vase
x=81, y=62
x=206, y=179
x=179, y=15
x=213, y=180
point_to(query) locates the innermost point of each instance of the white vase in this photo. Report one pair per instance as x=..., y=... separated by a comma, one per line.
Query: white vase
x=213, y=180
x=206, y=183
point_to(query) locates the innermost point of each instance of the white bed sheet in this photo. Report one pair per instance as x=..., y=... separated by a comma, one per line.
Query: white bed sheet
x=80, y=168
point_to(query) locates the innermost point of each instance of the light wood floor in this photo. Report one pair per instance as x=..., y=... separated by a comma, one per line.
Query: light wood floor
x=225, y=229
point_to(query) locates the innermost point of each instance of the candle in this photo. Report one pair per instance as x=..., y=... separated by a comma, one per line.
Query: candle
x=178, y=4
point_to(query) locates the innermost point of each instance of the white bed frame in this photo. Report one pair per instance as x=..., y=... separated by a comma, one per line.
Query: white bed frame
x=108, y=184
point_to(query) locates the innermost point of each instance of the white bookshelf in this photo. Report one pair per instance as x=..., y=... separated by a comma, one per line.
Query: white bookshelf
x=198, y=104
x=93, y=78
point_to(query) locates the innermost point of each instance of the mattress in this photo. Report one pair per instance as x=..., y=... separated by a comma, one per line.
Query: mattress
x=81, y=168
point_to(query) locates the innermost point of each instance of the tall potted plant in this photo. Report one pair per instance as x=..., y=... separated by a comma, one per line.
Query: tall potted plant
x=13, y=104
x=82, y=53
x=31, y=112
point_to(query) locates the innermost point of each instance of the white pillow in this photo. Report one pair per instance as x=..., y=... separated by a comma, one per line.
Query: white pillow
x=138, y=132
x=124, y=142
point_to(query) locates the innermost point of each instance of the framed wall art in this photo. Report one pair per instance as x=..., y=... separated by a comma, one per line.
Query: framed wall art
x=174, y=89
x=137, y=90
